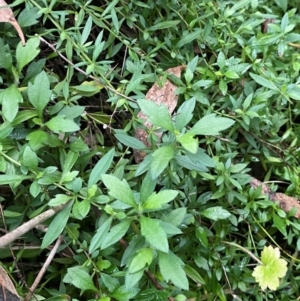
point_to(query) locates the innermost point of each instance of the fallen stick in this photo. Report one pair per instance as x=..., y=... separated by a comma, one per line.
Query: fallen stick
x=286, y=203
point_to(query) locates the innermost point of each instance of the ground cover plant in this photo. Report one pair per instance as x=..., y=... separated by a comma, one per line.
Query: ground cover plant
x=164, y=209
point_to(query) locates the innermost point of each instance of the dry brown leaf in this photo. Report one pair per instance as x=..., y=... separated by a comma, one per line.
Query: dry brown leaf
x=286, y=203
x=7, y=289
x=6, y=15
x=160, y=95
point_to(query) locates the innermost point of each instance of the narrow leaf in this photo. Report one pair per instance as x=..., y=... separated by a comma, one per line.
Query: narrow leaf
x=163, y=25
x=264, y=82
x=101, y=167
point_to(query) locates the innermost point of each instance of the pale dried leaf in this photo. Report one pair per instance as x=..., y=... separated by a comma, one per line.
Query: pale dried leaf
x=7, y=289
x=160, y=95
x=6, y=15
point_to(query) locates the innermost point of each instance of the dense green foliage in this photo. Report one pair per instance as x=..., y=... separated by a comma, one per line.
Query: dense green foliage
x=163, y=228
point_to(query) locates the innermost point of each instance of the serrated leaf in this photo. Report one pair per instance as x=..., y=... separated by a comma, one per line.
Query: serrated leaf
x=215, y=213
x=156, y=200
x=39, y=92
x=59, y=124
x=101, y=168
x=211, y=125
x=25, y=54
x=115, y=234
x=273, y=268
x=161, y=158
x=157, y=114
x=119, y=189
x=171, y=268
x=80, y=278
x=57, y=225
x=154, y=234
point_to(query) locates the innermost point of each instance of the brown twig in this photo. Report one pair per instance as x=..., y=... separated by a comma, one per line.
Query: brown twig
x=17, y=233
x=44, y=268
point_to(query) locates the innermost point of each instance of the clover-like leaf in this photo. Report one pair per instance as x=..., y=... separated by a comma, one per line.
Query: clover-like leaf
x=272, y=268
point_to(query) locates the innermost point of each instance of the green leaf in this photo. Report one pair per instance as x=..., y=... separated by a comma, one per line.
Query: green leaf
x=100, y=235
x=130, y=141
x=154, y=234
x=124, y=294
x=176, y=216
x=264, y=82
x=215, y=213
x=193, y=274
x=184, y=114
x=57, y=225
x=25, y=54
x=272, y=268
x=39, y=92
x=280, y=224
x=115, y=233
x=101, y=168
x=131, y=279
x=157, y=114
x=152, y=294
x=86, y=30
x=156, y=200
x=11, y=97
x=81, y=209
x=11, y=179
x=59, y=124
x=30, y=159
x=28, y=17
x=161, y=158
x=163, y=25
x=142, y=259
x=59, y=199
x=80, y=278
x=118, y=189
x=188, y=142
x=147, y=188
x=5, y=56
x=211, y=125
x=186, y=39
x=171, y=268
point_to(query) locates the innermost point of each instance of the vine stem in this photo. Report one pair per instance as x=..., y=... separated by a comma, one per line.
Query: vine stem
x=244, y=250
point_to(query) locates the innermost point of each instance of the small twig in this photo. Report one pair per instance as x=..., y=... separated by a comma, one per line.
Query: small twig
x=17, y=233
x=44, y=268
x=83, y=72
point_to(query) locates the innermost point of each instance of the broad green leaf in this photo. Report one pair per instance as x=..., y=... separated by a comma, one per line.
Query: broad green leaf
x=156, y=200
x=28, y=17
x=39, y=92
x=152, y=294
x=59, y=124
x=136, y=243
x=161, y=158
x=176, y=216
x=188, y=142
x=171, y=268
x=57, y=225
x=131, y=279
x=25, y=54
x=142, y=259
x=81, y=209
x=11, y=179
x=118, y=189
x=211, y=125
x=280, y=224
x=130, y=141
x=124, y=294
x=30, y=159
x=11, y=97
x=80, y=278
x=163, y=25
x=272, y=268
x=5, y=56
x=59, y=199
x=184, y=114
x=186, y=39
x=264, y=82
x=69, y=162
x=186, y=162
x=147, y=188
x=101, y=168
x=100, y=235
x=215, y=213
x=154, y=234
x=157, y=114
x=115, y=233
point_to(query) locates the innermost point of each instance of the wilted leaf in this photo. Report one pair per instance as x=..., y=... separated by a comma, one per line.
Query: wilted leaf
x=7, y=289
x=6, y=15
x=159, y=95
